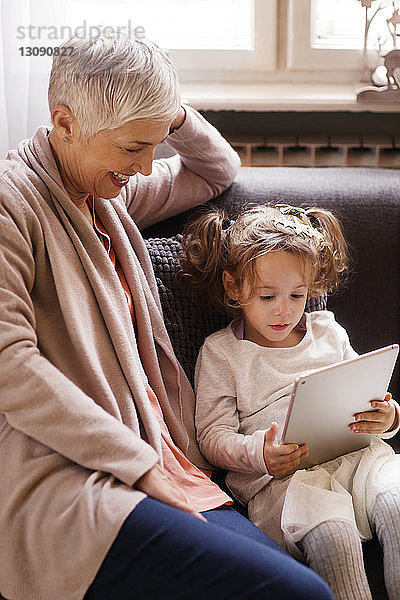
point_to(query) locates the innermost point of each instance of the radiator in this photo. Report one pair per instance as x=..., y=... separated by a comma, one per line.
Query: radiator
x=310, y=151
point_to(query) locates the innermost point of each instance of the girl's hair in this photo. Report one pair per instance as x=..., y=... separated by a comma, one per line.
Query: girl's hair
x=213, y=244
x=111, y=79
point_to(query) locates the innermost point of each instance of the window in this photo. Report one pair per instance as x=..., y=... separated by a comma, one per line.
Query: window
x=301, y=54
x=201, y=36
x=341, y=24
x=336, y=25
x=329, y=35
x=217, y=41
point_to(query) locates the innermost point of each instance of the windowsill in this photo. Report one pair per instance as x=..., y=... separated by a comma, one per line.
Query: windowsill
x=280, y=97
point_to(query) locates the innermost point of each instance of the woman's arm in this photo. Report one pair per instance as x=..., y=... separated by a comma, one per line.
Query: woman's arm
x=35, y=397
x=217, y=417
x=204, y=166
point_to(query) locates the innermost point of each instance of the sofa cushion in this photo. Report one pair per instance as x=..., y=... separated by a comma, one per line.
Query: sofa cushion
x=189, y=319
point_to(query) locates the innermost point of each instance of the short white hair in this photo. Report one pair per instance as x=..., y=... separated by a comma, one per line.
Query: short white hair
x=112, y=79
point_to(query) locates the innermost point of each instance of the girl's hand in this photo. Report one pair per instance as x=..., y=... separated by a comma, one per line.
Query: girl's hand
x=281, y=458
x=376, y=421
x=158, y=485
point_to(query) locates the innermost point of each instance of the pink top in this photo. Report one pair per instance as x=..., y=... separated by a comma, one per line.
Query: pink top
x=201, y=493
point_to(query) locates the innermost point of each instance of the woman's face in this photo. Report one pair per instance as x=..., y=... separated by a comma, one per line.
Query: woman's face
x=102, y=165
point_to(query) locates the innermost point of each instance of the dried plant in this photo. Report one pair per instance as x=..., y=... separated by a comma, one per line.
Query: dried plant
x=372, y=8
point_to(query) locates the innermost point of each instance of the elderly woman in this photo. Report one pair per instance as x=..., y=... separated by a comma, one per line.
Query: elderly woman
x=100, y=497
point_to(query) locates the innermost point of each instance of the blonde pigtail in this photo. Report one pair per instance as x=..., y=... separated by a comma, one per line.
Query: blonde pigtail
x=332, y=250
x=203, y=256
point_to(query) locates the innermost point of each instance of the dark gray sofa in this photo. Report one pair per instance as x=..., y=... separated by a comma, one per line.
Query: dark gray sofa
x=367, y=201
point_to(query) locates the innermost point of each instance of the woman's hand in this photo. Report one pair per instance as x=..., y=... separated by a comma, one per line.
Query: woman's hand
x=178, y=121
x=281, y=458
x=376, y=421
x=158, y=485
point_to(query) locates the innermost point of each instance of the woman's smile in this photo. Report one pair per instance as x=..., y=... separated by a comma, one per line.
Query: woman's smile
x=120, y=179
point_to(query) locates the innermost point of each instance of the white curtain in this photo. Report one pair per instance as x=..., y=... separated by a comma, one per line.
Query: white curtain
x=4, y=137
x=23, y=80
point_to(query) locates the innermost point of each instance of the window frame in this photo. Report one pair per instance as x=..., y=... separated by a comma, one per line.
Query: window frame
x=292, y=59
x=300, y=53
x=224, y=65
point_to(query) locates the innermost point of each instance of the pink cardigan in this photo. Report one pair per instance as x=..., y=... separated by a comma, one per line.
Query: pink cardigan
x=70, y=446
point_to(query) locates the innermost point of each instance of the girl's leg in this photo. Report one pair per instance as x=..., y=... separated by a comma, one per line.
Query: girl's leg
x=164, y=553
x=333, y=549
x=385, y=518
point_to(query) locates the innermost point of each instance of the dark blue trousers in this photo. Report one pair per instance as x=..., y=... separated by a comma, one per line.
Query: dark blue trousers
x=162, y=553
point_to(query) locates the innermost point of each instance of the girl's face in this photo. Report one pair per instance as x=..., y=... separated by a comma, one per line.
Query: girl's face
x=278, y=301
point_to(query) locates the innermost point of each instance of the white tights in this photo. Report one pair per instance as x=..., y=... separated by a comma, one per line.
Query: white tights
x=334, y=550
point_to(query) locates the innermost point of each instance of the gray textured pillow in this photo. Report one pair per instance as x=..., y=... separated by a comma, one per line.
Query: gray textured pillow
x=188, y=319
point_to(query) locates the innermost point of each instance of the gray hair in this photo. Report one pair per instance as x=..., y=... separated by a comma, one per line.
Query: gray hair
x=111, y=79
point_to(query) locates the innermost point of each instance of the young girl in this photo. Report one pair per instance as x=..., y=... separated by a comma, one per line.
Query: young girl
x=264, y=267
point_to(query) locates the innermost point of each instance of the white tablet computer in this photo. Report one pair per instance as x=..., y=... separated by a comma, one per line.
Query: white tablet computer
x=324, y=402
